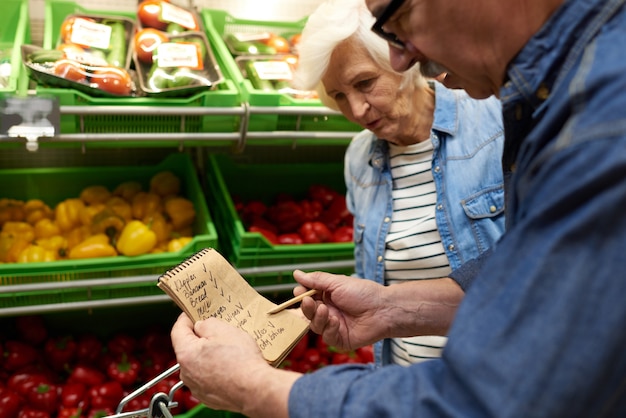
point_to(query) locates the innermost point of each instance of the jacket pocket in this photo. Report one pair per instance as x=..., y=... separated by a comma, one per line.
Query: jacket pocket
x=486, y=204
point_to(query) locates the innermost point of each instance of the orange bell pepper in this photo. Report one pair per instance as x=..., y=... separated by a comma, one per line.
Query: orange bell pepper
x=35, y=253
x=95, y=194
x=22, y=230
x=145, y=204
x=136, y=239
x=46, y=228
x=67, y=213
x=11, y=245
x=93, y=247
x=35, y=210
x=180, y=211
x=127, y=190
x=165, y=183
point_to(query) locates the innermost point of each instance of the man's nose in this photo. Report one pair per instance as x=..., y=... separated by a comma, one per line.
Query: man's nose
x=401, y=59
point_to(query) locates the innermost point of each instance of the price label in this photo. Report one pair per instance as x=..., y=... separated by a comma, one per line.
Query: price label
x=30, y=118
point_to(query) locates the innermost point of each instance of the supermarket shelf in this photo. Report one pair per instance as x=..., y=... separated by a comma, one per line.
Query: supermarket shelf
x=141, y=280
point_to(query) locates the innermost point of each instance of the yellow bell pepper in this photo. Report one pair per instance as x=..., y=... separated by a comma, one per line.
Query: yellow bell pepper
x=93, y=247
x=178, y=244
x=22, y=230
x=108, y=223
x=57, y=244
x=145, y=204
x=121, y=207
x=35, y=210
x=11, y=210
x=46, y=228
x=67, y=213
x=161, y=227
x=77, y=235
x=136, y=239
x=95, y=194
x=127, y=190
x=165, y=183
x=180, y=211
x=35, y=253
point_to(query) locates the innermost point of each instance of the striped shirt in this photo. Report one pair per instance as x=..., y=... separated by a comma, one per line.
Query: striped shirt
x=413, y=247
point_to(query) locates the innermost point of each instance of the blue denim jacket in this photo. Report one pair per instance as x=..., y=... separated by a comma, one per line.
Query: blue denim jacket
x=540, y=332
x=468, y=138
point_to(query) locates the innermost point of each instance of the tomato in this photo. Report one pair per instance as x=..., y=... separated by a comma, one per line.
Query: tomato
x=146, y=42
x=113, y=80
x=294, y=41
x=70, y=70
x=68, y=26
x=149, y=14
x=280, y=44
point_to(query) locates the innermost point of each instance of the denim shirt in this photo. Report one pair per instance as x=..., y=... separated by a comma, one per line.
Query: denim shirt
x=468, y=138
x=540, y=332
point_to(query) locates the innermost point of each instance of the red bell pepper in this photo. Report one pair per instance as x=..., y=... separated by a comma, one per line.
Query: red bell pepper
x=88, y=349
x=28, y=412
x=44, y=397
x=311, y=209
x=100, y=412
x=106, y=395
x=74, y=395
x=87, y=376
x=70, y=413
x=60, y=352
x=336, y=214
x=271, y=237
x=125, y=370
x=18, y=355
x=286, y=215
x=10, y=403
x=365, y=354
x=23, y=382
x=122, y=343
x=343, y=234
x=290, y=239
x=155, y=362
x=314, y=232
x=323, y=194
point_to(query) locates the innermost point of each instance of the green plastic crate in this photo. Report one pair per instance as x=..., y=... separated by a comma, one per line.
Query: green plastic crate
x=227, y=177
x=14, y=32
x=219, y=23
x=226, y=95
x=53, y=185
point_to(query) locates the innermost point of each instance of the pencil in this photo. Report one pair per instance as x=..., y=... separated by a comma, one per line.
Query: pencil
x=291, y=301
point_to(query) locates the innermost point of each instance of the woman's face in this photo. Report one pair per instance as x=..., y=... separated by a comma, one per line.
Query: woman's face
x=365, y=93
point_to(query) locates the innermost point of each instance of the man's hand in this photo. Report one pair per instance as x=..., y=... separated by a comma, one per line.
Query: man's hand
x=349, y=312
x=224, y=368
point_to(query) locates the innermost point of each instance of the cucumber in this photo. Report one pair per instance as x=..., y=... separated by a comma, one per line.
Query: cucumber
x=248, y=47
x=257, y=82
x=43, y=56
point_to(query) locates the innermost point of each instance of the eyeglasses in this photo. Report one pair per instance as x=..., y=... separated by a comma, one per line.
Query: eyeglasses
x=390, y=37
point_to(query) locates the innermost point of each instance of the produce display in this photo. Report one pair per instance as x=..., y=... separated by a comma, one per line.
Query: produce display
x=163, y=51
x=322, y=216
x=312, y=353
x=48, y=374
x=99, y=222
x=268, y=60
x=92, y=55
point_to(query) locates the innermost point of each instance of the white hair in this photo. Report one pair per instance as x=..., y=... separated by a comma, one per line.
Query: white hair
x=331, y=23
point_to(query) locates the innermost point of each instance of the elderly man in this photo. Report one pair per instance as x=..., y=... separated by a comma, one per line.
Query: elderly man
x=539, y=330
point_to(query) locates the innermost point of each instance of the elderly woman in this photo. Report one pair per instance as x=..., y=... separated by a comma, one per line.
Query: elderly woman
x=424, y=179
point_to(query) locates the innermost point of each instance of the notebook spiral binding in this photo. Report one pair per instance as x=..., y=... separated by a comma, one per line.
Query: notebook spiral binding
x=179, y=268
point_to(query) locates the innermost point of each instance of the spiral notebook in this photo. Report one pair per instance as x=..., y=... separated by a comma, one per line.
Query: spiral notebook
x=206, y=285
